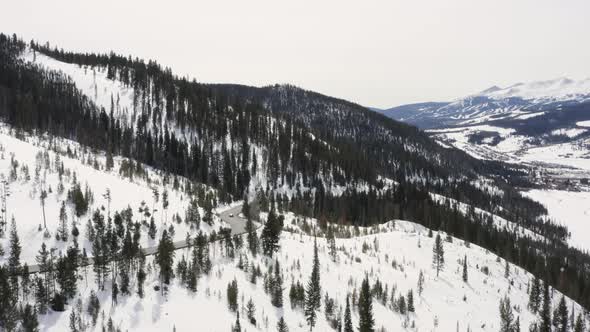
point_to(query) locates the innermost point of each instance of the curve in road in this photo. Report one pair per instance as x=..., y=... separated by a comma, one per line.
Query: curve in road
x=229, y=216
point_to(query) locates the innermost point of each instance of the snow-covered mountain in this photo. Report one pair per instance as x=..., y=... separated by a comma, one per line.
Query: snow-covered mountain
x=560, y=89
x=516, y=102
x=107, y=161
x=536, y=122
x=396, y=256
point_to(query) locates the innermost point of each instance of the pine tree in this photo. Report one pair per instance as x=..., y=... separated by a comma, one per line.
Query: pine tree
x=252, y=237
x=232, y=295
x=165, y=204
x=29, y=319
x=313, y=293
x=93, y=308
x=193, y=271
x=251, y=312
x=192, y=216
x=271, y=233
x=62, y=274
x=545, y=323
x=332, y=244
x=165, y=257
x=438, y=255
x=282, y=326
x=14, y=258
x=411, y=301
x=40, y=296
x=42, y=290
x=141, y=276
x=506, y=315
x=560, y=317
x=152, y=230
x=63, y=223
x=465, y=276
x=580, y=325
x=420, y=283
x=516, y=327
x=42, y=198
x=348, y=317
x=366, y=320
x=25, y=281
x=277, y=289
x=8, y=301
x=401, y=305
x=535, y=295
x=296, y=294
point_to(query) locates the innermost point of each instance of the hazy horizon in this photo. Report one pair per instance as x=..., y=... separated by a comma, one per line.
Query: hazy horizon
x=378, y=54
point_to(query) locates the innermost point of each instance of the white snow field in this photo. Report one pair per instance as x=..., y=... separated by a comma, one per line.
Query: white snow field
x=518, y=148
x=25, y=206
x=572, y=154
x=395, y=254
x=568, y=208
x=92, y=82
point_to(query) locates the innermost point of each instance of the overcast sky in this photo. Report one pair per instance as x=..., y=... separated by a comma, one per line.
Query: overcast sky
x=376, y=53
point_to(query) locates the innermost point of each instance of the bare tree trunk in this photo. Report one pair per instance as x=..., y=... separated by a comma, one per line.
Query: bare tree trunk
x=44, y=221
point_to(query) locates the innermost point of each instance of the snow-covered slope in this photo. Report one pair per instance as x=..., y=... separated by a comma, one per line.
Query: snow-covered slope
x=394, y=253
x=92, y=82
x=568, y=208
x=32, y=165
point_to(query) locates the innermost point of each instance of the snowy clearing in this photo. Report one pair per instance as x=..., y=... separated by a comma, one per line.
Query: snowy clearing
x=568, y=208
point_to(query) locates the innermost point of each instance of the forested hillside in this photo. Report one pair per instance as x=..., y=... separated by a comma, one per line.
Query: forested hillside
x=314, y=155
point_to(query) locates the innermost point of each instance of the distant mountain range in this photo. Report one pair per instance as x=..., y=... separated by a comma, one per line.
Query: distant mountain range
x=518, y=102
x=543, y=122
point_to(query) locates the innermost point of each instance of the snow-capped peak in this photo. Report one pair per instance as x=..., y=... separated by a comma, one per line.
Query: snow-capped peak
x=491, y=90
x=561, y=88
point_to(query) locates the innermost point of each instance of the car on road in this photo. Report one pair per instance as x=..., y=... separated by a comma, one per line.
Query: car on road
x=231, y=215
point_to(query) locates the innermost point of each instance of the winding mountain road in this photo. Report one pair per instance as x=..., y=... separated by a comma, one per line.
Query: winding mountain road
x=229, y=216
